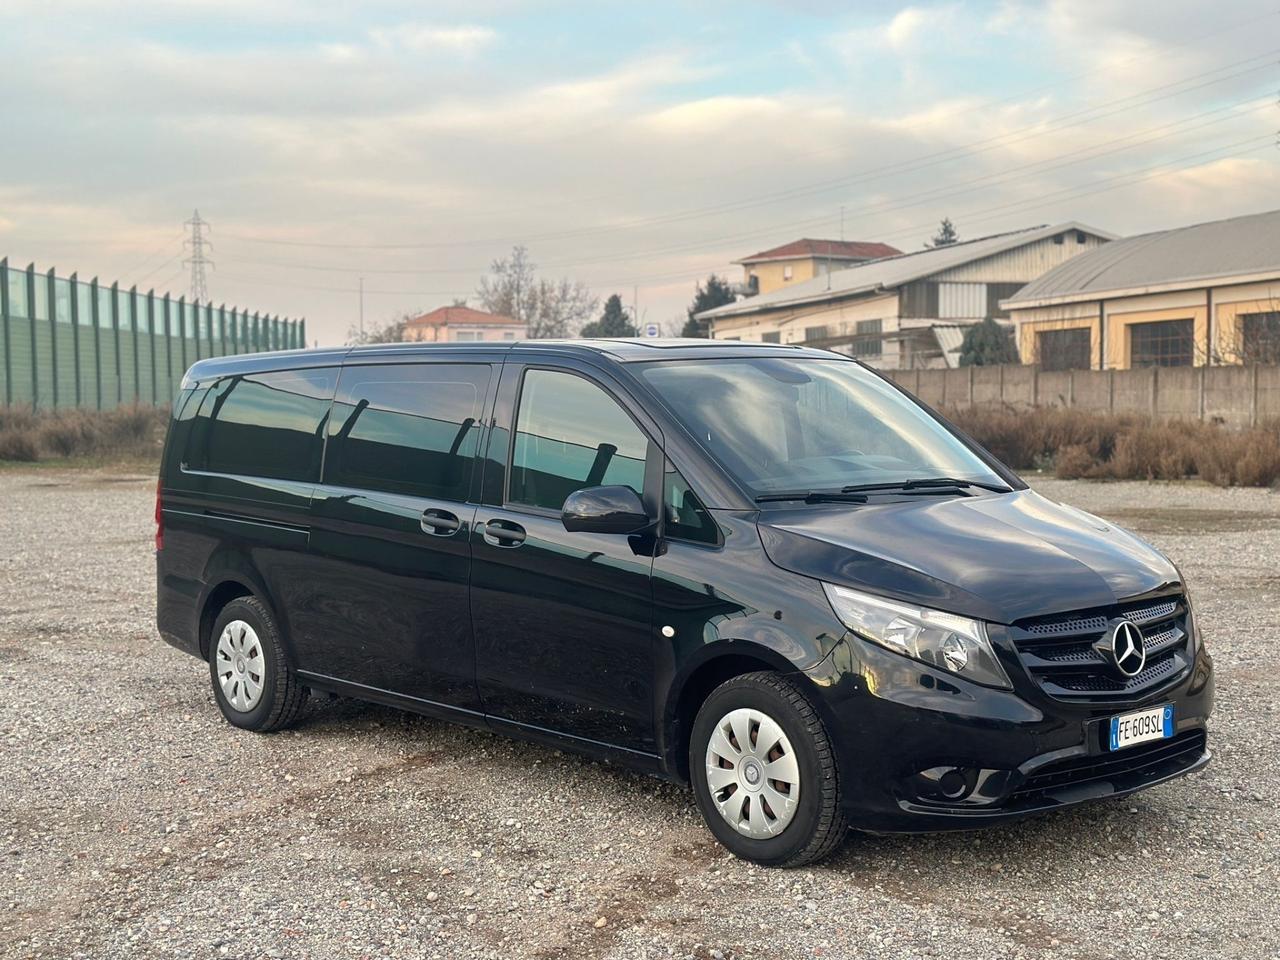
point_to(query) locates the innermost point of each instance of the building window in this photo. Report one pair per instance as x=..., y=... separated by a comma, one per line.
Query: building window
x=815, y=333
x=772, y=337
x=786, y=272
x=1064, y=349
x=868, y=343
x=997, y=292
x=468, y=335
x=1260, y=337
x=1164, y=343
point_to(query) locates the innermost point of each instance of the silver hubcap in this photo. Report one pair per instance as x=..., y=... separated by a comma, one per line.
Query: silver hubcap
x=240, y=666
x=752, y=773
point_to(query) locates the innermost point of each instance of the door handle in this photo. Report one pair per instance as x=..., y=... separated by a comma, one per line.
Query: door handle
x=503, y=533
x=440, y=523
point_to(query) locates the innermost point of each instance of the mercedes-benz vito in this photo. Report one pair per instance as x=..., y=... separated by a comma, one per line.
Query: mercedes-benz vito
x=763, y=570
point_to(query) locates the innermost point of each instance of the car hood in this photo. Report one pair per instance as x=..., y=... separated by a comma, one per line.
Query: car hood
x=999, y=558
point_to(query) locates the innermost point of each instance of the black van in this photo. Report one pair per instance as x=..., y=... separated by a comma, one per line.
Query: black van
x=761, y=569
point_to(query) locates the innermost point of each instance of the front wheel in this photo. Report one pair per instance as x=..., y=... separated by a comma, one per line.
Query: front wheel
x=764, y=772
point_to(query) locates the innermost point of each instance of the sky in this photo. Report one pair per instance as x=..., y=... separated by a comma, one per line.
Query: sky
x=637, y=147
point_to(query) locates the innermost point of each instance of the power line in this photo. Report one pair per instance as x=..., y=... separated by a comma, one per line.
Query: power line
x=1130, y=141
x=978, y=216
x=1064, y=121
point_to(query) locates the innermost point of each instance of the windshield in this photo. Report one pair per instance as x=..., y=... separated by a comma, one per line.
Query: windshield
x=782, y=425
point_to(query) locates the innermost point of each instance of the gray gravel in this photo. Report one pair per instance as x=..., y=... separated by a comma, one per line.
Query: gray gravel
x=134, y=822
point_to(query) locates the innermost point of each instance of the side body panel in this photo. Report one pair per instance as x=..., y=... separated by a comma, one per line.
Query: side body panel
x=387, y=605
x=562, y=620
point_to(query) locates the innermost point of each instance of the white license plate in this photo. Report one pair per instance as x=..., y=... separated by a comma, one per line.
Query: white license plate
x=1141, y=726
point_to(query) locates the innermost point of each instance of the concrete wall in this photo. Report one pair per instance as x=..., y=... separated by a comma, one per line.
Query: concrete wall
x=1240, y=396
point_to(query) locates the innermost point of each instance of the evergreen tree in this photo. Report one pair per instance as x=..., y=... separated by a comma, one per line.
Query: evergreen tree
x=946, y=234
x=988, y=343
x=715, y=294
x=614, y=322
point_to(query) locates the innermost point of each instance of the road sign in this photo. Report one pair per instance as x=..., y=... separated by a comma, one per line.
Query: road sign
x=652, y=330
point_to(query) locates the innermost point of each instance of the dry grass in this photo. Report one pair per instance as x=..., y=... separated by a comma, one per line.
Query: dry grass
x=127, y=433
x=1076, y=444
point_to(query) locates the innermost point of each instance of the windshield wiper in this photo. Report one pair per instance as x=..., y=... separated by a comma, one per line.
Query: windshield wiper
x=925, y=484
x=814, y=496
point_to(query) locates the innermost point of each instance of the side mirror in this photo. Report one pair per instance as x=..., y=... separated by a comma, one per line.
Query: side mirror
x=613, y=509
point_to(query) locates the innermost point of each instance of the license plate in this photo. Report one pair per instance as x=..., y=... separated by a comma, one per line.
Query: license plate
x=1141, y=726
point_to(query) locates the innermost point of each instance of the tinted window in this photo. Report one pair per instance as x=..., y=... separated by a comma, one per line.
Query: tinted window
x=782, y=425
x=687, y=518
x=263, y=425
x=570, y=434
x=407, y=428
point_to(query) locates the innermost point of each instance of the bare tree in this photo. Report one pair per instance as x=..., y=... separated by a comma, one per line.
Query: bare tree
x=547, y=308
x=390, y=332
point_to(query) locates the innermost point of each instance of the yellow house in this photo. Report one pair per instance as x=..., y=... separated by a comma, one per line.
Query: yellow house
x=1204, y=294
x=908, y=311
x=805, y=259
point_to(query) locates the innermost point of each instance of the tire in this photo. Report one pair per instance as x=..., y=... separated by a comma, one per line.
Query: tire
x=786, y=832
x=252, y=682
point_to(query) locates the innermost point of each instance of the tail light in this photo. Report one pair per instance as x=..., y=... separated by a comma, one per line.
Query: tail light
x=159, y=519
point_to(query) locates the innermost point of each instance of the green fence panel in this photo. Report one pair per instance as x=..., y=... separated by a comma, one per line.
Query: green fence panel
x=65, y=343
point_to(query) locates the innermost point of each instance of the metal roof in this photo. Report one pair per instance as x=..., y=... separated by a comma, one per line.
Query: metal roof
x=890, y=272
x=825, y=250
x=1241, y=247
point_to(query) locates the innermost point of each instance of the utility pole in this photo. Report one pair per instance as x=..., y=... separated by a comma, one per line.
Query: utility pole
x=842, y=223
x=198, y=261
x=362, y=309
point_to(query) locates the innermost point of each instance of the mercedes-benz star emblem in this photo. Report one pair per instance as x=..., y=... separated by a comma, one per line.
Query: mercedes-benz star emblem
x=1128, y=649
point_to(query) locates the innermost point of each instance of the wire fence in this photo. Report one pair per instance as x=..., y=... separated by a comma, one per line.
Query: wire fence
x=70, y=343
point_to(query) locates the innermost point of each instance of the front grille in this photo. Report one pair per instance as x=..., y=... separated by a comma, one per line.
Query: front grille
x=1124, y=769
x=1060, y=652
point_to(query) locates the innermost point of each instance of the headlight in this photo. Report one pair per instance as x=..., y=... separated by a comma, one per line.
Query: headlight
x=954, y=643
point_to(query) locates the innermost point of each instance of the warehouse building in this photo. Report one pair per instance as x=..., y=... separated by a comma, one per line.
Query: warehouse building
x=1204, y=294
x=906, y=311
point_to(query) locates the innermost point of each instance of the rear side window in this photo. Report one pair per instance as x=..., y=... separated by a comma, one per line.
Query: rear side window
x=570, y=434
x=268, y=425
x=407, y=428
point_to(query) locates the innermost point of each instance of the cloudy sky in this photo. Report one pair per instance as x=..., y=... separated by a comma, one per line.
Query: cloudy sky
x=635, y=146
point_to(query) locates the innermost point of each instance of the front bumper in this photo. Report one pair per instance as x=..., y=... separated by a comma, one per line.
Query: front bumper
x=920, y=750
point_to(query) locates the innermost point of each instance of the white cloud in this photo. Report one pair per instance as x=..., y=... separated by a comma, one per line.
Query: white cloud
x=463, y=40
x=905, y=32
x=905, y=27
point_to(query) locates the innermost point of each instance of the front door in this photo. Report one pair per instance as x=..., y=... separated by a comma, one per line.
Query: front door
x=391, y=525
x=562, y=620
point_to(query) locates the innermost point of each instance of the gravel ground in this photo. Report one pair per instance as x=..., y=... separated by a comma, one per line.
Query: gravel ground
x=134, y=822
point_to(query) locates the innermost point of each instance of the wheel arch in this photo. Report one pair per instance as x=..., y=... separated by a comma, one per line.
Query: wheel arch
x=718, y=663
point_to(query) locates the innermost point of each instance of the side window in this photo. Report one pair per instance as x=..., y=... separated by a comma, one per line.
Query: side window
x=266, y=425
x=570, y=434
x=407, y=428
x=687, y=518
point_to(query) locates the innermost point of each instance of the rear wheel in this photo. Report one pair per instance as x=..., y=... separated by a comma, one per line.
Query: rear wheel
x=764, y=772
x=252, y=682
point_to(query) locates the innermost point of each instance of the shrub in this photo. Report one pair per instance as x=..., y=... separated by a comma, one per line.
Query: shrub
x=1078, y=443
x=18, y=443
x=126, y=433
x=1075, y=462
